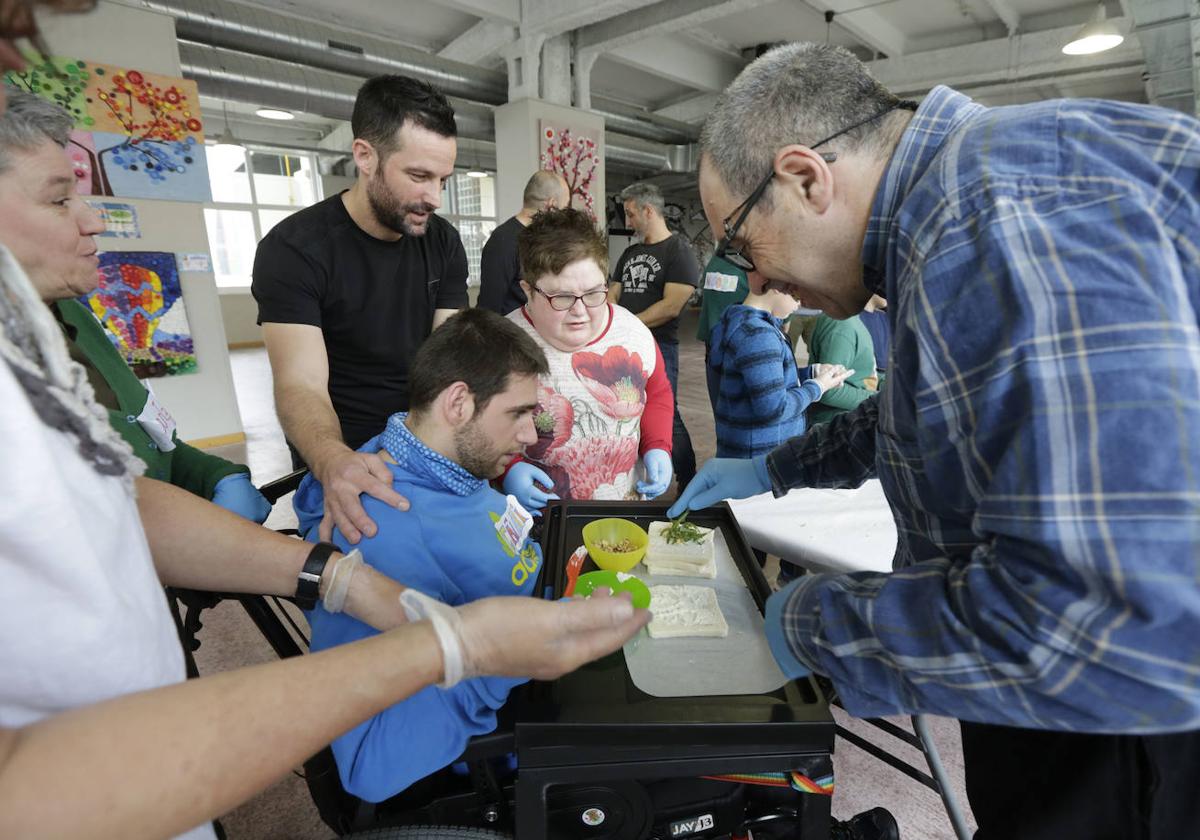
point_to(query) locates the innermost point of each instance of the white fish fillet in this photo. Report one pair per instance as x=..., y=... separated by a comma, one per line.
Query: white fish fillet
x=681, y=611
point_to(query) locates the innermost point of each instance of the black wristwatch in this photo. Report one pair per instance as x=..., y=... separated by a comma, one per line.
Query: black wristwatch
x=308, y=582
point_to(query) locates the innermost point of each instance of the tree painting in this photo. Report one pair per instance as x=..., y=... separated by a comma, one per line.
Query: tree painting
x=60, y=80
x=148, y=132
x=138, y=135
x=573, y=157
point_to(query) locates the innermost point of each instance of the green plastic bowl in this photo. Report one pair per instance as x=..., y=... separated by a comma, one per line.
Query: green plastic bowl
x=592, y=581
x=615, y=530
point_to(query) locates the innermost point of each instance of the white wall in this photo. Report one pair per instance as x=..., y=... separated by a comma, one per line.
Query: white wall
x=204, y=403
x=518, y=146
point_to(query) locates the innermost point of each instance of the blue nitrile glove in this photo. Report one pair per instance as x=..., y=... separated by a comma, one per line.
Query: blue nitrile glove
x=723, y=478
x=236, y=494
x=659, y=473
x=520, y=483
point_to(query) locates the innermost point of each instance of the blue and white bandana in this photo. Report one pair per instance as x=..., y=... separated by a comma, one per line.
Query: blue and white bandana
x=418, y=458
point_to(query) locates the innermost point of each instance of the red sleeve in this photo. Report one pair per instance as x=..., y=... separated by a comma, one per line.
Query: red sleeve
x=660, y=409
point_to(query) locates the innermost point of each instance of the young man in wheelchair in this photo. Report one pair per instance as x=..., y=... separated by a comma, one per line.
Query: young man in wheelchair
x=473, y=392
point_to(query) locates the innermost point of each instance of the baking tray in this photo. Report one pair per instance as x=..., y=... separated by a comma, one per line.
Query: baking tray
x=597, y=712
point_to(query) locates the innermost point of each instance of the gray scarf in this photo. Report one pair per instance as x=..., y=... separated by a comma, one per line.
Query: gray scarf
x=32, y=346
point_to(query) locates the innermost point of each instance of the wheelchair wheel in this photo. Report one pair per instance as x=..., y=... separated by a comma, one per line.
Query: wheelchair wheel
x=428, y=832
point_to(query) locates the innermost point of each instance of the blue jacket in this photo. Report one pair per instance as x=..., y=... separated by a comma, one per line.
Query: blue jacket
x=761, y=401
x=447, y=547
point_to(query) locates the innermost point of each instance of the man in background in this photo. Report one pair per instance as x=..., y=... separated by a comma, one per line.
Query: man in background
x=653, y=279
x=499, y=267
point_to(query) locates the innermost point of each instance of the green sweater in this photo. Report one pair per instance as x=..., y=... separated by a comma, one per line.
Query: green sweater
x=714, y=302
x=124, y=395
x=834, y=342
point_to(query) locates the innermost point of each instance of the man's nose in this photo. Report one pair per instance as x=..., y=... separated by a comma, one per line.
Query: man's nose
x=527, y=433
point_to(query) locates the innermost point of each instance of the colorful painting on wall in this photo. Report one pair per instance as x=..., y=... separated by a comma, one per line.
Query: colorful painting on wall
x=574, y=154
x=138, y=135
x=140, y=302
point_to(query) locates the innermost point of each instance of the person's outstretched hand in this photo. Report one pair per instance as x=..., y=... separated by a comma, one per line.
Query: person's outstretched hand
x=527, y=637
x=236, y=494
x=659, y=473
x=522, y=481
x=345, y=475
x=723, y=478
x=829, y=377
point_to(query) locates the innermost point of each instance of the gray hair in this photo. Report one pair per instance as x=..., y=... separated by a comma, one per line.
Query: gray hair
x=796, y=93
x=543, y=186
x=644, y=195
x=29, y=122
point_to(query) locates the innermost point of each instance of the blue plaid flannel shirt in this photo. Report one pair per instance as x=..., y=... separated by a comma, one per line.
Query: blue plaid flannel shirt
x=1038, y=437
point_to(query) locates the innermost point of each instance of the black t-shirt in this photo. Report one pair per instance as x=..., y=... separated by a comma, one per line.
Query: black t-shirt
x=643, y=271
x=500, y=270
x=373, y=300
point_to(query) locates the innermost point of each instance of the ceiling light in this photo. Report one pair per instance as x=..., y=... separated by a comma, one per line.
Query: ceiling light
x=226, y=138
x=476, y=173
x=275, y=114
x=1097, y=35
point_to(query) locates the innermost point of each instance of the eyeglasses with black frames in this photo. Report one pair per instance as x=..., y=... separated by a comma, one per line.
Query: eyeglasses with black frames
x=736, y=256
x=563, y=302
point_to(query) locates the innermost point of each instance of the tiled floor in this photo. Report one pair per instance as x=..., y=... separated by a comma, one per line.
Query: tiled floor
x=285, y=811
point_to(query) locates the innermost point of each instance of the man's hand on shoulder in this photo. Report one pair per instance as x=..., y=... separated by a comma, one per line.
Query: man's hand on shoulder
x=345, y=475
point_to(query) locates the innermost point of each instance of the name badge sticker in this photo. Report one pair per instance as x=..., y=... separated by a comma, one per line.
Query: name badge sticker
x=157, y=422
x=714, y=281
x=514, y=526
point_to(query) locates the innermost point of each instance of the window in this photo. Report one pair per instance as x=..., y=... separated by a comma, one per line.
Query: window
x=253, y=190
x=470, y=205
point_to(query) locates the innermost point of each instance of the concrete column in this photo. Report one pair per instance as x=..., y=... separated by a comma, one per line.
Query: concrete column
x=524, y=62
x=519, y=145
x=584, y=61
x=556, y=70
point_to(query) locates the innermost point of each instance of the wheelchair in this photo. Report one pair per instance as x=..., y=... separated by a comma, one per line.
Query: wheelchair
x=618, y=782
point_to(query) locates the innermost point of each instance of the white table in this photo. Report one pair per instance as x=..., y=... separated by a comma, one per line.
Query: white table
x=823, y=530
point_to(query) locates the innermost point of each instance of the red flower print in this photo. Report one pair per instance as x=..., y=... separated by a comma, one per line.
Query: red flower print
x=616, y=379
x=598, y=467
x=553, y=419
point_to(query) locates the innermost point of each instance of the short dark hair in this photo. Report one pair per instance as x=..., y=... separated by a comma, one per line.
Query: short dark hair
x=478, y=347
x=385, y=103
x=557, y=238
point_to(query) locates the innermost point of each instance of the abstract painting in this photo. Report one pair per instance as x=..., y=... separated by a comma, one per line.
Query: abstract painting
x=140, y=302
x=138, y=135
x=574, y=154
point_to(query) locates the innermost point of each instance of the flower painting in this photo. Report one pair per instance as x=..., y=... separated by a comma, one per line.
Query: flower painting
x=575, y=154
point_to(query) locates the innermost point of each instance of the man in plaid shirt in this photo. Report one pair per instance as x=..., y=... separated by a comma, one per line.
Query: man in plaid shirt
x=1038, y=436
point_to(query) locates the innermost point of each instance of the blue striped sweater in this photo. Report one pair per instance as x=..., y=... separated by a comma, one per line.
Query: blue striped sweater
x=761, y=401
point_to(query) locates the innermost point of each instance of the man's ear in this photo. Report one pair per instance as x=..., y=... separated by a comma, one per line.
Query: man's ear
x=805, y=175
x=457, y=404
x=527, y=289
x=365, y=157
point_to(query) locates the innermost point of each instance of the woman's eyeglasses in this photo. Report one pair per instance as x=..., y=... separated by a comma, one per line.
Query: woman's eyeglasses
x=563, y=302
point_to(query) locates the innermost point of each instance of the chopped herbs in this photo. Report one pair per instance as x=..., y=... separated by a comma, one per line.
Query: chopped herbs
x=681, y=531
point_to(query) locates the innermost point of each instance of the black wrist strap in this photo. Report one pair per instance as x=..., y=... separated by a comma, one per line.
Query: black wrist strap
x=308, y=582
